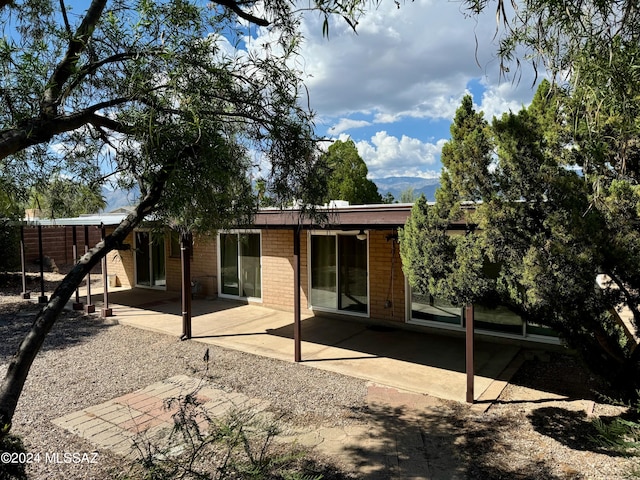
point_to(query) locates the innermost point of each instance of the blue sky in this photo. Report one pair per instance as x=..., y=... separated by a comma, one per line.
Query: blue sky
x=393, y=87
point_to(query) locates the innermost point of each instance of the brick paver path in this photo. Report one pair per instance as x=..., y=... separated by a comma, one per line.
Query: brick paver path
x=393, y=446
x=116, y=424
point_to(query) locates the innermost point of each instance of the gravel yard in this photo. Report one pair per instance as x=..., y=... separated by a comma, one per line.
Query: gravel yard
x=85, y=361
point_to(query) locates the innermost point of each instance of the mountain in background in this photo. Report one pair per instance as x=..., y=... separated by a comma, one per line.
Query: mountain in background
x=119, y=198
x=394, y=185
x=397, y=185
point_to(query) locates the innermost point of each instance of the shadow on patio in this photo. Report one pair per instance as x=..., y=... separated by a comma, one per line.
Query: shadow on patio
x=418, y=362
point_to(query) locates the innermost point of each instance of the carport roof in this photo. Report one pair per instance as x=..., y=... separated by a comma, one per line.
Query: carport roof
x=103, y=219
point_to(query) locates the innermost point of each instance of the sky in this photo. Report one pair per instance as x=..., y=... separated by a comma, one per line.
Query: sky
x=394, y=86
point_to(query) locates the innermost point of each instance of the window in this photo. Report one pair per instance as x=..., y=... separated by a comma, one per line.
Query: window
x=339, y=273
x=427, y=307
x=432, y=311
x=149, y=259
x=240, y=269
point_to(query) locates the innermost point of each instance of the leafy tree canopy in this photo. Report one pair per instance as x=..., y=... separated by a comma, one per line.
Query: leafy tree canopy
x=65, y=198
x=348, y=175
x=167, y=95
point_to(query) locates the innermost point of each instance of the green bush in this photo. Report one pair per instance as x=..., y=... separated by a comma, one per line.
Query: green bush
x=622, y=434
x=10, y=470
x=9, y=246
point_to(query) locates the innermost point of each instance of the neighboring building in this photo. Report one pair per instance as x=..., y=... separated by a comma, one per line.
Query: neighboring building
x=350, y=266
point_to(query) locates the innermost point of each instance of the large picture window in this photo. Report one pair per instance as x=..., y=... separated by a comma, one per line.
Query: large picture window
x=240, y=270
x=338, y=273
x=497, y=319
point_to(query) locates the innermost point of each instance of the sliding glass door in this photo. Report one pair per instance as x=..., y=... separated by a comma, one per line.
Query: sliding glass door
x=339, y=276
x=240, y=269
x=150, y=259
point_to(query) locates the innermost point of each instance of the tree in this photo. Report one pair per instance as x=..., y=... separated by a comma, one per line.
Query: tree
x=537, y=241
x=348, y=175
x=408, y=195
x=63, y=197
x=591, y=49
x=152, y=94
x=435, y=263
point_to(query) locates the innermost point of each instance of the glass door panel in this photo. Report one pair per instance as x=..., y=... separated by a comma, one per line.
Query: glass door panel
x=150, y=261
x=158, y=272
x=352, y=274
x=229, y=264
x=323, y=271
x=251, y=279
x=143, y=256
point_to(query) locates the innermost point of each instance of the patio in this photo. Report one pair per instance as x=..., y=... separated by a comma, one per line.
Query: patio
x=412, y=361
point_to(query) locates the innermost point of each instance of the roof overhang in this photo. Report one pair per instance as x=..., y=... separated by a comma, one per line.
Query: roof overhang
x=353, y=217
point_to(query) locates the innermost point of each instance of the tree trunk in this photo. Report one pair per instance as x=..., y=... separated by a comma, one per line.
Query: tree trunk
x=16, y=375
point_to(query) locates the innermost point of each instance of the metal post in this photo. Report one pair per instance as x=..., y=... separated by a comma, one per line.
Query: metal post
x=297, y=323
x=468, y=311
x=185, y=259
x=77, y=305
x=42, y=298
x=23, y=261
x=106, y=311
x=89, y=307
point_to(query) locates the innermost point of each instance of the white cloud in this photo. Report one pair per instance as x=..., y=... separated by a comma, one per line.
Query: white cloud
x=347, y=124
x=412, y=62
x=386, y=155
x=498, y=99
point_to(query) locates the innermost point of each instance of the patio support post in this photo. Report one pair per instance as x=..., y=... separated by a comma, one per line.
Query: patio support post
x=89, y=307
x=106, y=311
x=42, y=298
x=25, y=295
x=297, y=324
x=77, y=305
x=468, y=313
x=185, y=258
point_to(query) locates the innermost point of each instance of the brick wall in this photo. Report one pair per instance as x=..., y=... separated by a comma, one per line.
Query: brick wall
x=386, y=279
x=57, y=243
x=277, y=269
x=120, y=262
x=203, y=265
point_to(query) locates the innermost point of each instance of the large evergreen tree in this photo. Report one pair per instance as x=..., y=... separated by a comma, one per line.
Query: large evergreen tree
x=536, y=239
x=347, y=177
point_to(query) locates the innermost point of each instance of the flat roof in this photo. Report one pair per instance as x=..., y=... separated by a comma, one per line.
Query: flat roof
x=338, y=217
x=102, y=219
x=351, y=217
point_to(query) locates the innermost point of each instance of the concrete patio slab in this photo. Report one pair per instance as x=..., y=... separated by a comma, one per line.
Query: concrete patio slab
x=412, y=361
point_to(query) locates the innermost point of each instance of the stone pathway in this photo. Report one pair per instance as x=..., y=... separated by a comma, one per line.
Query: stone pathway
x=391, y=446
x=115, y=425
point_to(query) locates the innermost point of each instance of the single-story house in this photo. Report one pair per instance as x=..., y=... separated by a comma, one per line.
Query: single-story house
x=349, y=265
